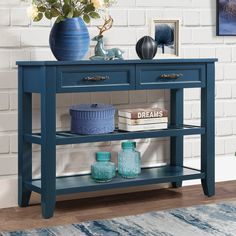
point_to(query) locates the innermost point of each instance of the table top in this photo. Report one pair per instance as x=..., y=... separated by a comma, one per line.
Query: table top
x=123, y=62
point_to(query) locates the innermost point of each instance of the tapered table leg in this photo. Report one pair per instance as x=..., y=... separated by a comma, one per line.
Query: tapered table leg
x=48, y=148
x=208, y=139
x=24, y=148
x=176, y=143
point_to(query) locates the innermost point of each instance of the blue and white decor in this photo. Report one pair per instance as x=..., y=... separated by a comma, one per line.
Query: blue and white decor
x=69, y=40
x=101, y=53
x=166, y=35
x=204, y=220
x=226, y=17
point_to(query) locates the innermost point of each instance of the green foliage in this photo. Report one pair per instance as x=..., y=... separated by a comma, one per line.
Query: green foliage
x=41, y=9
x=48, y=14
x=60, y=18
x=88, y=8
x=62, y=9
x=55, y=12
x=51, y=1
x=86, y=18
x=66, y=9
x=94, y=15
x=38, y=17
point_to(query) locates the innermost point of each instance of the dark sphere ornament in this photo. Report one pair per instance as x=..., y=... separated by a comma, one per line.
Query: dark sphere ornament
x=146, y=48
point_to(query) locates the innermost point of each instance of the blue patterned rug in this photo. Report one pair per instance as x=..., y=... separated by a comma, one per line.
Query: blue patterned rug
x=214, y=219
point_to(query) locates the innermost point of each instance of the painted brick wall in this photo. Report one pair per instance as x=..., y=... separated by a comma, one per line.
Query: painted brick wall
x=21, y=39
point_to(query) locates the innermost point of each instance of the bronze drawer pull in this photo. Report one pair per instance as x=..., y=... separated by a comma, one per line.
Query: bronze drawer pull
x=171, y=76
x=96, y=78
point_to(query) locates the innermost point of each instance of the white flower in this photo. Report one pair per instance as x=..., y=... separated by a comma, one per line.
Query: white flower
x=98, y=3
x=32, y=11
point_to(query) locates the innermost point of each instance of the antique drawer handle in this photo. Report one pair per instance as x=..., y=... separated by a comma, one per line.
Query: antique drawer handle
x=171, y=76
x=96, y=78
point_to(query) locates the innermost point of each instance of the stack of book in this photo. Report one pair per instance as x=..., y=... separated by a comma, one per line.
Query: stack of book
x=139, y=119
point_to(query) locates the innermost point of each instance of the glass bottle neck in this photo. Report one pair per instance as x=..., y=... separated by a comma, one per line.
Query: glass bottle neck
x=128, y=149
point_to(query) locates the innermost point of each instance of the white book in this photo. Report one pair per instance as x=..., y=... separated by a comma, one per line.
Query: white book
x=127, y=127
x=143, y=113
x=128, y=121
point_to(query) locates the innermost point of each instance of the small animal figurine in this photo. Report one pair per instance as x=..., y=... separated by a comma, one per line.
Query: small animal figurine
x=100, y=52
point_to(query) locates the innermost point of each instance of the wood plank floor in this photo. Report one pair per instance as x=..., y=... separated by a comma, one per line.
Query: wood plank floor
x=75, y=211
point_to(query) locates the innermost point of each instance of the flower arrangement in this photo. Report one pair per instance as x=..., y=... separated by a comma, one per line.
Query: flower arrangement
x=63, y=9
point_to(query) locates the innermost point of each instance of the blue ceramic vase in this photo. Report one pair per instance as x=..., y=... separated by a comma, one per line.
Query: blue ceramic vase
x=69, y=40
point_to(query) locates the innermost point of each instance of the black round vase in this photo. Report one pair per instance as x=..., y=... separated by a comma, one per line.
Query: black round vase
x=146, y=48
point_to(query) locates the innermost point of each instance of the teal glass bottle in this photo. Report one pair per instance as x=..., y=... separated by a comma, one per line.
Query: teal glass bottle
x=129, y=160
x=103, y=170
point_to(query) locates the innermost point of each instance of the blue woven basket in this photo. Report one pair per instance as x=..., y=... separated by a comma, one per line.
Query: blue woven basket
x=92, y=119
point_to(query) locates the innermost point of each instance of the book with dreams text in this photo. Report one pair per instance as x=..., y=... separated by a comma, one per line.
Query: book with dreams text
x=143, y=113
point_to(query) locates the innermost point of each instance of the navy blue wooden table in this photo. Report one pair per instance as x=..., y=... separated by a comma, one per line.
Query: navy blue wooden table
x=51, y=77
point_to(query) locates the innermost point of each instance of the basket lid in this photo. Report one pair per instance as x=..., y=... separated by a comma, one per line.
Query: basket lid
x=92, y=107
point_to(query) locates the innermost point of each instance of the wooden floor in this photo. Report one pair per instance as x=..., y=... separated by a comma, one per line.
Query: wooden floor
x=75, y=211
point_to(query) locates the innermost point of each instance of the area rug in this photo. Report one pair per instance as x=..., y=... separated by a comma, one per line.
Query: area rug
x=215, y=219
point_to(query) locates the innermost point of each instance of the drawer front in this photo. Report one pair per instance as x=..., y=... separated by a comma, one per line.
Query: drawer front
x=170, y=76
x=89, y=78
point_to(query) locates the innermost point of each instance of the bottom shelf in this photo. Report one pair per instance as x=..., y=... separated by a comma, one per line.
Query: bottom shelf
x=155, y=175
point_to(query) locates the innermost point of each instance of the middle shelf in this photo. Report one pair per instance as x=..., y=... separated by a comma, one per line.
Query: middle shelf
x=66, y=137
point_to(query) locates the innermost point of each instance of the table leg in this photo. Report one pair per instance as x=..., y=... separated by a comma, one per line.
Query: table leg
x=208, y=139
x=24, y=148
x=48, y=148
x=176, y=143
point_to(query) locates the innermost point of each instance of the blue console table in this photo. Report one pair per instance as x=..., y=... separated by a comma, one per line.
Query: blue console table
x=51, y=77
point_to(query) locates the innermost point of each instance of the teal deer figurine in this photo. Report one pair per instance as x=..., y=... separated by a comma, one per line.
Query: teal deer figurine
x=100, y=52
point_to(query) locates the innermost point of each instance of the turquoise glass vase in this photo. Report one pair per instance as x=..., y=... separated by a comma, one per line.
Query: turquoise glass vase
x=129, y=160
x=103, y=170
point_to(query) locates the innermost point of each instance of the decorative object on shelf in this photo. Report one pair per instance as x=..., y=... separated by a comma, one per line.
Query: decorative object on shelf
x=143, y=113
x=100, y=52
x=129, y=160
x=103, y=170
x=226, y=17
x=139, y=119
x=92, y=119
x=166, y=34
x=146, y=48
x=69, y=38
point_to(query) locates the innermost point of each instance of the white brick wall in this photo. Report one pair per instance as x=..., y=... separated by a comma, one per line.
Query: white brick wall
x=4, y=16
x=22, y=39
x=19, y=18
x=191, y=18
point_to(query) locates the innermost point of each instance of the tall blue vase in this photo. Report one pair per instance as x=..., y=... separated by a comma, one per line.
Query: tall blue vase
x=69, y=40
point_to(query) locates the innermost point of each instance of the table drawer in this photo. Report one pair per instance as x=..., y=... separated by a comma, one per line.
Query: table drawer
x=95, y=78
x=170, y=76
